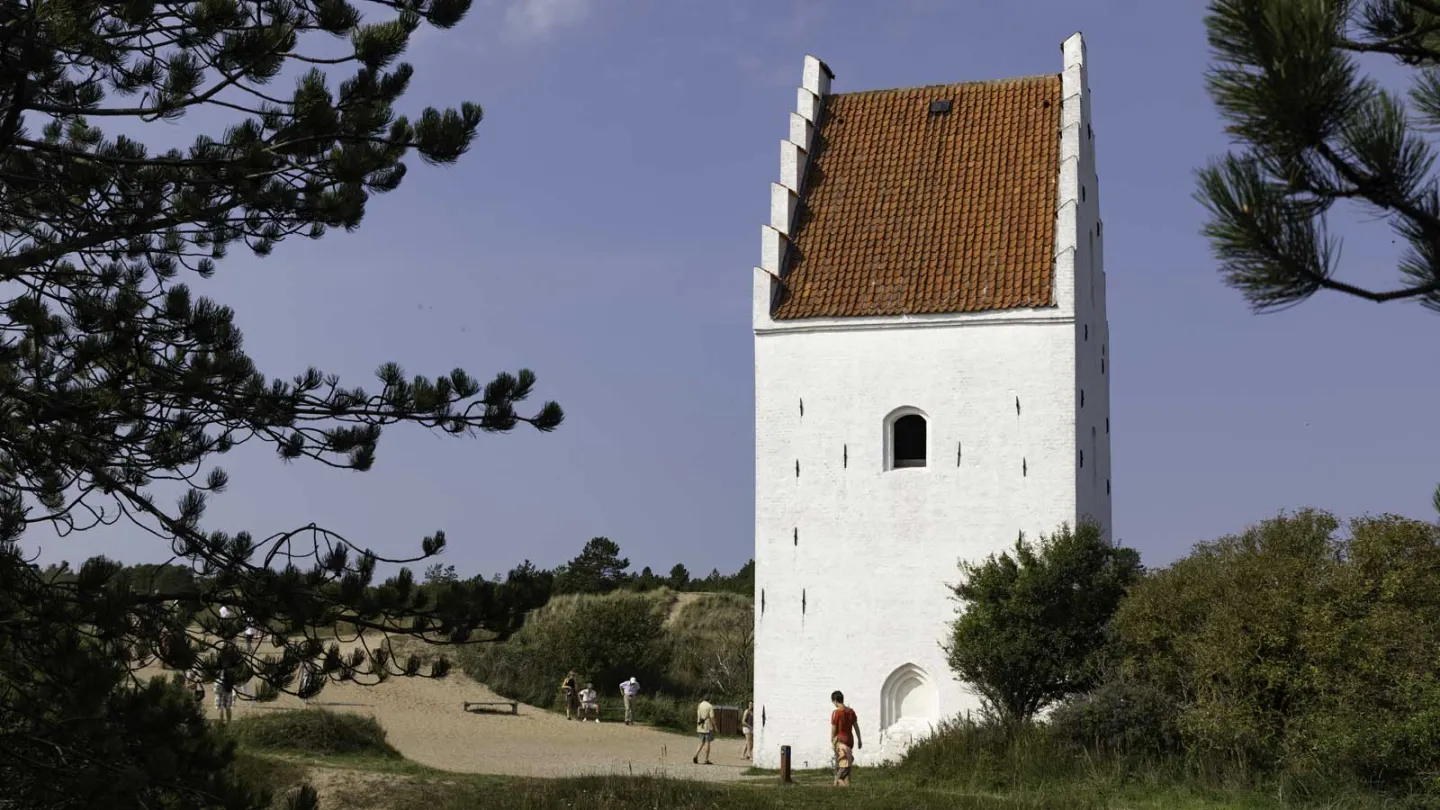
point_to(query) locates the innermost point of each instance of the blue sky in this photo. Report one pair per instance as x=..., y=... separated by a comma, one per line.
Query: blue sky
x=603, y=229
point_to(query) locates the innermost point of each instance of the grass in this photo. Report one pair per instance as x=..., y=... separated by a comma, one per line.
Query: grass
x=361, y=771
x=370, y=782
x=402, y=785
x=313, y=731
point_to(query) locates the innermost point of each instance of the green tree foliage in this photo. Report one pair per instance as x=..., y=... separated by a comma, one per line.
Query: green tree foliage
x=439, y=573
x=119, y=385
x=1314, y=131
x=1031, y=625
x=679, y=577
x=604, y=638
x=1294, y=646
x=706, y=644
x=599, y=568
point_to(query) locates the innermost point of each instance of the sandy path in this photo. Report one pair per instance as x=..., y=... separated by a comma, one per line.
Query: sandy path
x=425, y=721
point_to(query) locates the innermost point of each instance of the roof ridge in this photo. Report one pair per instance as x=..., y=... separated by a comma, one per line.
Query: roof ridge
x=974, y=83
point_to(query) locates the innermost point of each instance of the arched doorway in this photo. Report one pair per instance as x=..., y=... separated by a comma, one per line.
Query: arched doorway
x=909, y=706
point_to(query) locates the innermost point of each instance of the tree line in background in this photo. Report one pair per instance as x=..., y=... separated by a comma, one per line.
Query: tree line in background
x=599, y=569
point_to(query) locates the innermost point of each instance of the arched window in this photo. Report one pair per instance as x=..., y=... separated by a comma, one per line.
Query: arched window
x=906, y=440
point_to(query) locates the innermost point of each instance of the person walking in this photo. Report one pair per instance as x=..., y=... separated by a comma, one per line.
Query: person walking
x=630, y=689
x=570, y=693
x=747, y=727
x=844, y=737
x=224, y=696
x=705, y=727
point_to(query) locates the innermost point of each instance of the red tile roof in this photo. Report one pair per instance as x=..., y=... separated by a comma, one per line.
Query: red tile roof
x=905, y=212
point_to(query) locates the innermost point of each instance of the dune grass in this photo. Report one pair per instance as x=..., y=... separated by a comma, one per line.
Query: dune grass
x=312, y=732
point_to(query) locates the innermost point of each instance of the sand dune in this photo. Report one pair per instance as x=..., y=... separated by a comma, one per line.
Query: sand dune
x=425, y=721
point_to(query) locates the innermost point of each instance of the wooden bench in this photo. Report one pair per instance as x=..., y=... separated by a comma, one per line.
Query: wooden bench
x=514, y=705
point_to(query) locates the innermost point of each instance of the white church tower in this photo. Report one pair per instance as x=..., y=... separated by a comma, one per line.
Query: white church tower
x=931, y=380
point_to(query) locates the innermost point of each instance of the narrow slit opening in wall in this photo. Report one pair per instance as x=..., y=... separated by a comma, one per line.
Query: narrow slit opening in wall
x=1082, y=459
x=802, y=601
x=959, y=453
x=1107, y=426
x=1102, y=365
x=762, y=715
x=1107, y=486
x=1098, y=228
x=797, y=468
x=845, y=456
x=1082, y=397
x=1024, y=468
x=796, y=535
x=762, y=601
x=1082, y=194
x=1017, y=406
x=802, y=407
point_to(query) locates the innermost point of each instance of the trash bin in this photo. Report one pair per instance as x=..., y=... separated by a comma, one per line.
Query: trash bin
x=727, y=720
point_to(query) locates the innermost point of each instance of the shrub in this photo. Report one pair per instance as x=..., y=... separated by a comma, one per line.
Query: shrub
x=1031, y=623
x=1120, y=717
x=1295, y=649
x=988, y=756
x=605, y=639
x=313, y=731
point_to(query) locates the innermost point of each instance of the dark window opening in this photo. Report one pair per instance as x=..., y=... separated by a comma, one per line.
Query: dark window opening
x=1082, y=193
x=1102, y=365
x=1024, y=468
x=908, y=441
x=940, y=107
x=797, y=535
x=1082, y=459
x=802, y=601
x=762, y=601
x=802, y=407
x=959, y=453
x=1107, y=426
x=845, y=457
x=1082, y=400
x=797, y=468
x=1107, y=486
x=1087, y=334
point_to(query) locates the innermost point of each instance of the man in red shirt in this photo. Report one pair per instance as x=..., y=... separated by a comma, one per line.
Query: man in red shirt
x=844, y=736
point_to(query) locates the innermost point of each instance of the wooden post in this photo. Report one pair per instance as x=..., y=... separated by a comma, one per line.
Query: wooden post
x=784, y=764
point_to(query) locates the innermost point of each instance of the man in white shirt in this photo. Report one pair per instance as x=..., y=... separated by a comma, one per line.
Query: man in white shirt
x=589, y=703
x=630, y=689
x=705, y=727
